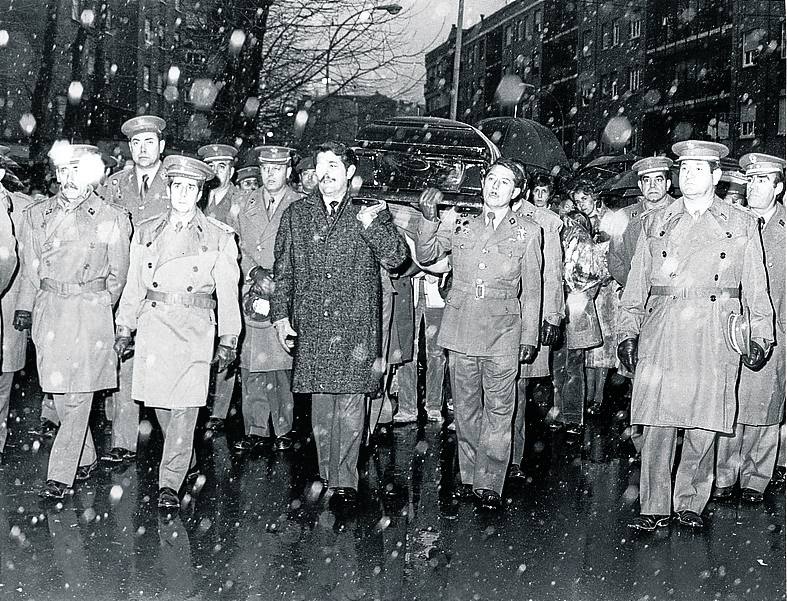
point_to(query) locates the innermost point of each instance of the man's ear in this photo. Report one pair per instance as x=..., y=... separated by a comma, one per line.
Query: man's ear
x=716, y=176
x=669, y=183
x=232, y=173
x=350, y=171
x=777, y=189
x=161, y=144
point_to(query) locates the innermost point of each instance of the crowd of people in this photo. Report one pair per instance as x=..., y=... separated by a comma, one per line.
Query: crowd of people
x=167, y=280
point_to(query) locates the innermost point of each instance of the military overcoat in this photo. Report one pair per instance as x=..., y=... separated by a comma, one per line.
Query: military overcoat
x=73, y=267
x=687, y=374
x=175, y=342
x=260, y=347
x=328, y=284
x=14, y=341
x=228, y=210
x=495, y=300
x=761, y=393
x=122, y=188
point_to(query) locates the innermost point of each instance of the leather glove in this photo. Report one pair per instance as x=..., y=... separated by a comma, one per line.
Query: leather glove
x=428, y=202
x=527, y=353
x=23, y=320
x=756, y=357
x=124, y=347
x=549, y=333
x=263, y=281
x=285, y=333
x=224, y=356
x=627, y=353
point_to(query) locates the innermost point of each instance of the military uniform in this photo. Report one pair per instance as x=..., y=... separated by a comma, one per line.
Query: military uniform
x=494, y=306
x=124, y=189
x=169, y=301
x=750, y=453
x=553, y=311
x=13, y=340
x=684, y=282
x=74, y=260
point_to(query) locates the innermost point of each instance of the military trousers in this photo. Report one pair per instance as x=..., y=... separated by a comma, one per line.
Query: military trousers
x=426, y=319
x=48, y=410
x=337, y=424
x=177, y=426
x=123, y=411
x=267, y=395
x=222, y=388
x=694, y=477
x=6, y=380
x=518, y=430
x=747, y=455
x=781, y=461
x=569, y=381
x=484, y=393
x=73, y=445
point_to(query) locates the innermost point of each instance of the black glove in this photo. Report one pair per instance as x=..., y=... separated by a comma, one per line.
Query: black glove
x=124, y=347
x=224, y=356
x=23, y=320
x=549, y=333
x=627, y=353
x=263, y=281
x=527, y=353
x=428, y=203
x=756, y=357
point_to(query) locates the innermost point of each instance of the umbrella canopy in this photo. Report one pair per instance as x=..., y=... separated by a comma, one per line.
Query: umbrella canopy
x=528, y=141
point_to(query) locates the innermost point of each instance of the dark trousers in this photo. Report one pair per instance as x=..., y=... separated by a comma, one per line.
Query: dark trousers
x=337, y=423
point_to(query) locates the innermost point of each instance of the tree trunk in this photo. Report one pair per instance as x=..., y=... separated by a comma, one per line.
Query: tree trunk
x=39, y=105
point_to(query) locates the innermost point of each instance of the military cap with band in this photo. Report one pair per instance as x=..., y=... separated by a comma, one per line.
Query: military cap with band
x=64, y=153
x=177, y=165
x=735, y=180
x=699, y=150
x=143, y=124
x=4, y=150
x=304, y=164
x=279, y=155
x=217, y=152
x=737, y=333
x=651, y=165
x=755, y=163
x=247, y=172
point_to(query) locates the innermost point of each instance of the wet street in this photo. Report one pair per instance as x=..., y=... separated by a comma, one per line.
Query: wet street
x=255, y=528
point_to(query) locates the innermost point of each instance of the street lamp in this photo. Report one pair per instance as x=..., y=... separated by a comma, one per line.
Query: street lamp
x=559, y=108
x=391, y=9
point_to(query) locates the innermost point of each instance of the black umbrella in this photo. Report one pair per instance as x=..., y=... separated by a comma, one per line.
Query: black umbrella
x=528, y=141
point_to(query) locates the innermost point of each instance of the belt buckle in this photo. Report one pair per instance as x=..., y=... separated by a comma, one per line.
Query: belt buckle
x=480, y=289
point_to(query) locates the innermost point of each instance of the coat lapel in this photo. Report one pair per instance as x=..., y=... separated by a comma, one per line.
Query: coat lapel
x=503, y=230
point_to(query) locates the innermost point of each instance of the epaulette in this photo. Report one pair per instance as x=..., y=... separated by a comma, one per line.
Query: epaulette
x=781, y=222
x=220, y=224
x=553, y=220
x=35, y=203
x=149, y=220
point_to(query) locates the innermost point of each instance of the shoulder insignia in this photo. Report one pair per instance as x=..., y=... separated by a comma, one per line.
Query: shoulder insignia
x=634, y=214
x=220, y=224
x=781, y=222
x=512, y=221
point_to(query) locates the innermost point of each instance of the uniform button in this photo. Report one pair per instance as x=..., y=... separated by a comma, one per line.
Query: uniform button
x=662, y=232
x=482, y=266
x=195, y=269
x=328, y=276
x=87, y=266
x=713, y=298
x=155, y=284
x=484, y=250
x=770, y=264
x=716, y=278
x=663, y=253
x=189, y=289
x=729, y=235
x=723, y=255
x=153, y=304
x=150, y=265
x=325, y=314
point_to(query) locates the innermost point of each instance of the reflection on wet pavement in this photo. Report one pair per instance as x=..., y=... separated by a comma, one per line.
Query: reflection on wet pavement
x=257, y=528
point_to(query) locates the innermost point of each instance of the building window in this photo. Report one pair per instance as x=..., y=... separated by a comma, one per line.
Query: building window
x=606, y=36
x=520, y=27
x=159, y=82
x=613, y=87
x=148, y=32
x=587, y=41
x=587, y=93
x=509, y=35
x=635, y=28
x=146, y=78
x=782, y=115
x=616, y=32
x=108, y=18
x=751, y=41
x=748, y=118
x=635, y=78
x=537, y=22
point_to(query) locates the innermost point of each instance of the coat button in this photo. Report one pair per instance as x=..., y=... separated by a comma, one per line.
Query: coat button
x=153, y=304
x=189, y=288
x=328, y=276
x=87, y=266
x=155, y=284
x=663, y=253
x=662, y=232
x=150, y=265
x=729, y=235
x=482, y=266
x=195, y=269
x=723, y=255
x=713, y=298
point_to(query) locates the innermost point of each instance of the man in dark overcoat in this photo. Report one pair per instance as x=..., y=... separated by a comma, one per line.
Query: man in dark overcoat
x=326, y=307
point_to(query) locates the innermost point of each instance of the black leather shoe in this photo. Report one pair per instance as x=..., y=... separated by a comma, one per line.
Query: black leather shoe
x=215, y=424
x=778, y=476
x=515, y=473
x=192, y=475
x=249, y=443
x=343, y=497
x=118, y=455
x=574, y=429
x=168, y=498
x=489, y=499
x=464, y=492
x=749, y=495
x=722, y=493
x=44, y=429
x=84, y=471
x=689, y=518
x=54, y=490
x=648, y=523
x=283, y=443
x=593, y=409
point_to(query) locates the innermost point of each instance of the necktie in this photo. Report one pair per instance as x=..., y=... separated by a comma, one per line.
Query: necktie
x=490, y=220
x=332, y=210
x=761, y=221
x=145, y=186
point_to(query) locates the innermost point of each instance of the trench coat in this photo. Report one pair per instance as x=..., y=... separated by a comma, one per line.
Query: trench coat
x=228, y=210
x=260, y=347
x=14, y=341
x=328, y=284
x=761, y=393
x=122, y=188
x=74, y=331
x=686, y=374
x=553, y=305
x=506, y=261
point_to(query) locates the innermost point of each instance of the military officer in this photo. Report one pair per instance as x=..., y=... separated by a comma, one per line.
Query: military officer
x=692, y=258
x=265, y=365
x=748, y=455
x=307, y=175
x=141, y=190
x=248, y=178
x=74, y=259
x=491, y=321
x=178, y=260
x=11, y=207
x=653, y=180
x=553, y=309
x=223, y=203
x=735, y=188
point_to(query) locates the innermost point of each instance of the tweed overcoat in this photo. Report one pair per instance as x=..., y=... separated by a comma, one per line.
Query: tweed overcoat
x=260, y=349
x=174, y=343
x=687, y=375
x=14, y=341
x=761, y=393
x=328, y=284
x=74, y=331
